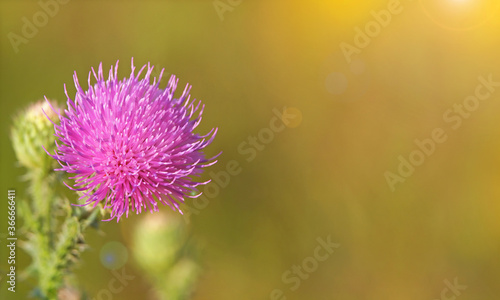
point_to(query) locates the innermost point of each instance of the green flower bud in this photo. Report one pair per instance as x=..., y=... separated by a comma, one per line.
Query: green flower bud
x=162, y=249
x=158, y=238
x=181, y=280
x=31, y=132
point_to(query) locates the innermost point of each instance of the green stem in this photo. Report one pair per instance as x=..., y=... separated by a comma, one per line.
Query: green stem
x=43, y=200
x=43, y=197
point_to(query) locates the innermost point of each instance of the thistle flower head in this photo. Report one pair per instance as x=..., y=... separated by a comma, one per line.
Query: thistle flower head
x=30, y=132
x=130, y=144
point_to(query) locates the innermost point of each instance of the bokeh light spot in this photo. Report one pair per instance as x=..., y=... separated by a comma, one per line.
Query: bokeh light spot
x=114, y=255
x=336, y=83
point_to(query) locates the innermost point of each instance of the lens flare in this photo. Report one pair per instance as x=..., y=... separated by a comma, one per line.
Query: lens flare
x=460, y=14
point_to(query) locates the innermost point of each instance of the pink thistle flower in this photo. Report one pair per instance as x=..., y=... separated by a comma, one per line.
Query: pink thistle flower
x=130, y=143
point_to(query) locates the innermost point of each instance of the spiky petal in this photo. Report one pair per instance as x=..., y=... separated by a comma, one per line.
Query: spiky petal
x=130, y=144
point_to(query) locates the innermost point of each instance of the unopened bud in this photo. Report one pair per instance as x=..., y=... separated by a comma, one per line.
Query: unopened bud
x=158, y=231
x=31, y=132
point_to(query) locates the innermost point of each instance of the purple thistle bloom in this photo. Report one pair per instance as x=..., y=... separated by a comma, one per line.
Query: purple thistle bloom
x=132, y=143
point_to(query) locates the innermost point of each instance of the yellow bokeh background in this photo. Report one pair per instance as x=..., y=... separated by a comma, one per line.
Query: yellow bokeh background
x=324, y=174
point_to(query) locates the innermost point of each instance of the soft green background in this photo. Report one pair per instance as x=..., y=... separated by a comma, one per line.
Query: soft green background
x=323, y=177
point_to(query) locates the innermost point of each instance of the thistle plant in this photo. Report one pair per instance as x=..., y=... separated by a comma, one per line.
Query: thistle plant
x=53, y=229
x=164, y=250
x=128, y=145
